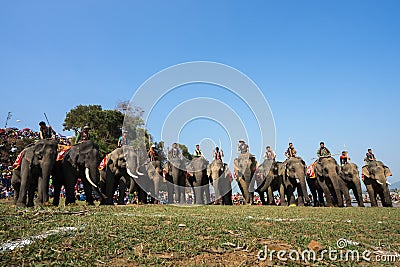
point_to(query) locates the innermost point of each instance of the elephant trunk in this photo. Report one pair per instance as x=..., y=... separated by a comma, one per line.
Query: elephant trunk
x=43, y=185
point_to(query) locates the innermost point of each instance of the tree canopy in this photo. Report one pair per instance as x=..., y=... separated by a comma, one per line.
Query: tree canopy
x=105, y=124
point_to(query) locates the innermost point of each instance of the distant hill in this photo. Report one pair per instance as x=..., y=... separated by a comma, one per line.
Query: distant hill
x=395, y=185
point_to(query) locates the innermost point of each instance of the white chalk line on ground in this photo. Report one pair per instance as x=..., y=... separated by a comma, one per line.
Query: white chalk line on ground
x=9, y=246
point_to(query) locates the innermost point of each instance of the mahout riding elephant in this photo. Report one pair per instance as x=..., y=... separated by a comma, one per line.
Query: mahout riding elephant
x=176, y=180
x=294, y=179
x=36, y=167
x=375, y=179
x=327, y=172
x=221, y=180
x=271, y=173
x=117, y=173
x=81, y=161
x=199, y=180
x=150, y=175
x=351, y=178
x=245, y=168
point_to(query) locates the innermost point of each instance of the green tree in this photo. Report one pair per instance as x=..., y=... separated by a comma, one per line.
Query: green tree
x=105, y=124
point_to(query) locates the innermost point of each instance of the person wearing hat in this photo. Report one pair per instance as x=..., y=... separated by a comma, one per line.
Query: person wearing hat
x=152, y=154
x=46, y=132
x=197, y=152
x=243, y=148
x=84, y=135
x=122, y=140
x=218, y=155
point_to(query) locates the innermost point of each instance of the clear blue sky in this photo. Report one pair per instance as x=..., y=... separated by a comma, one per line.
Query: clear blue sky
x=329, y=69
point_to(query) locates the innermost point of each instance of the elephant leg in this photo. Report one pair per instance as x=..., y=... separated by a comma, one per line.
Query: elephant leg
x=21, y=202
x=270, y=194
x=31, y=194
x=337, y=191
x=372, y=196
x=87, y=187
x=327, y=193
x=16, y=187
x=57, y=190
x=347, y=197
x=290, y=194
x=245, y=190
x=261, y=194
x=386, y=196
x=121, y=191
x=358, y=194
x=282, y=194
x=207, y=193
x=170, y=189
x=227, y=198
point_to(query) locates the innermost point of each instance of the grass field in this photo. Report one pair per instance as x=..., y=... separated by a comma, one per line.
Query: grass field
x=192, y=235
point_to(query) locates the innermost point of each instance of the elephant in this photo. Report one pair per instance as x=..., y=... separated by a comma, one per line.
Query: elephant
x=81, y=161
x=199, y=180
x=271, y=179
x=149, y=181
x=116, y=173
x=221, y=180
x=375, y=179
x=36, y=167
x=327, y=172
x=176, y=180
x=245, y=168
x=294, y=178
x=351, y=180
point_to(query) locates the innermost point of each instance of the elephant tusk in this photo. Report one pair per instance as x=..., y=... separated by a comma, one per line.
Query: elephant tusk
x=379, y=182
x=131, y=174
x=139, y=173
x=298, y=180
x=388, y=183
x=88, y=178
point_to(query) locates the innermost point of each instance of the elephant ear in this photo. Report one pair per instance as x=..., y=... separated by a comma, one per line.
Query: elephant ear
x=365, y=172
x=318, y=169
x=236, y=163
x=29, y=155
x=387, y=171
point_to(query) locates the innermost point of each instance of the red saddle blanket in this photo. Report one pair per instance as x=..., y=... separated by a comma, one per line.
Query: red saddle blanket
x=103, y=163
x=18, y=161
x=310, y=171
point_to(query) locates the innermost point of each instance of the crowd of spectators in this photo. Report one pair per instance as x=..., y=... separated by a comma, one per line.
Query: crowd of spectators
x=12, y=141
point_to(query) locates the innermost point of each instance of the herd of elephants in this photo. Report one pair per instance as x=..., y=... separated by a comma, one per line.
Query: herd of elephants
x=125, y=171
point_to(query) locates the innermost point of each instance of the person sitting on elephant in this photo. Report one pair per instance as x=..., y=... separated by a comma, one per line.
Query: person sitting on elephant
x=291, y=151
x=122, y=140
x=218, y=155
x=174, y=152
x=197, y=152
x=243, y=148
x=323, y=152
x=83, y=136
x=344, y=158
x=152, y=154
x=269, y=154
x=369, y=156
x=46, y=132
